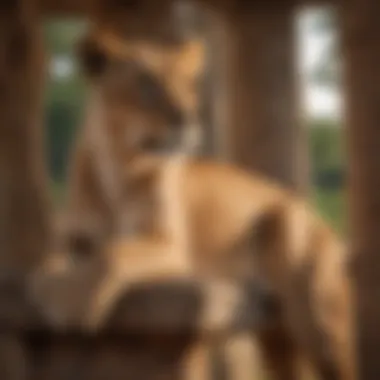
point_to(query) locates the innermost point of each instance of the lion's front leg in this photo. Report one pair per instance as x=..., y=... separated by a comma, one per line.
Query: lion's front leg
x=129, y=262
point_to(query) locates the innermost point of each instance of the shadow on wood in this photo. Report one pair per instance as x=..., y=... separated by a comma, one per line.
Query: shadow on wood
x=149, y=335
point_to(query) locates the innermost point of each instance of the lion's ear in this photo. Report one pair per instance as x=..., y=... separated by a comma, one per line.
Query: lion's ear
x=92, y=59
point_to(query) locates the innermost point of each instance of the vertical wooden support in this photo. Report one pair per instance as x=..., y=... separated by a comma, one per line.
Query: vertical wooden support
x=23, y=211
x=23, y=208
x=255, y=116
x=361, y=53
x=256, y=96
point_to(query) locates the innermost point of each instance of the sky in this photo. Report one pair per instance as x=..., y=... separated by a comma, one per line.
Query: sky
x=318, y=101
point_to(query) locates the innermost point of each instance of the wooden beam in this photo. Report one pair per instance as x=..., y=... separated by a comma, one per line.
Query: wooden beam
x=361, y=54
x=256, y=101
x=52, y=8
x=181, y=306
x=151, y=324
x=83, y=8
x=23, y=182
x=254, y=116
x=23, y=175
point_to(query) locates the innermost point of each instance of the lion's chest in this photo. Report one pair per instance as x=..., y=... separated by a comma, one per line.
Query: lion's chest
x=141, y=210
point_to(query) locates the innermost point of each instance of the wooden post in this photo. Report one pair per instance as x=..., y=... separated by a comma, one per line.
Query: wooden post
x=256, y=108
x=361, y=53
x=255, y=116
x=23, y=208
x=23, y=211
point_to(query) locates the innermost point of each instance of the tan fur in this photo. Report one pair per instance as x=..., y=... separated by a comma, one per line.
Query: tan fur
x=177, y=67
x=142, y=93
x=208, y=219
x=223, y=205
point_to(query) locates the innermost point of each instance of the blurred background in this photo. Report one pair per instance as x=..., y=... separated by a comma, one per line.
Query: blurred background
x=318, y=59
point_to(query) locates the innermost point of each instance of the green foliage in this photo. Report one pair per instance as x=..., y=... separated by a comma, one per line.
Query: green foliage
x=332, y=206
x=327, y=154
x=64, y=97
x=61, y=35
x=328, y=171
x=61, y=122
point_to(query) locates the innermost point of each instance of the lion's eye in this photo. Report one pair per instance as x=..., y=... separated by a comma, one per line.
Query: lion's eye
x=81, y=246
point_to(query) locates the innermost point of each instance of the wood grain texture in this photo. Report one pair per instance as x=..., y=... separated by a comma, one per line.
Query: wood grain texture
x=361, y=53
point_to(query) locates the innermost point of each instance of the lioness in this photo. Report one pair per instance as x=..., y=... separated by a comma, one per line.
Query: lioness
x=201, y=217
